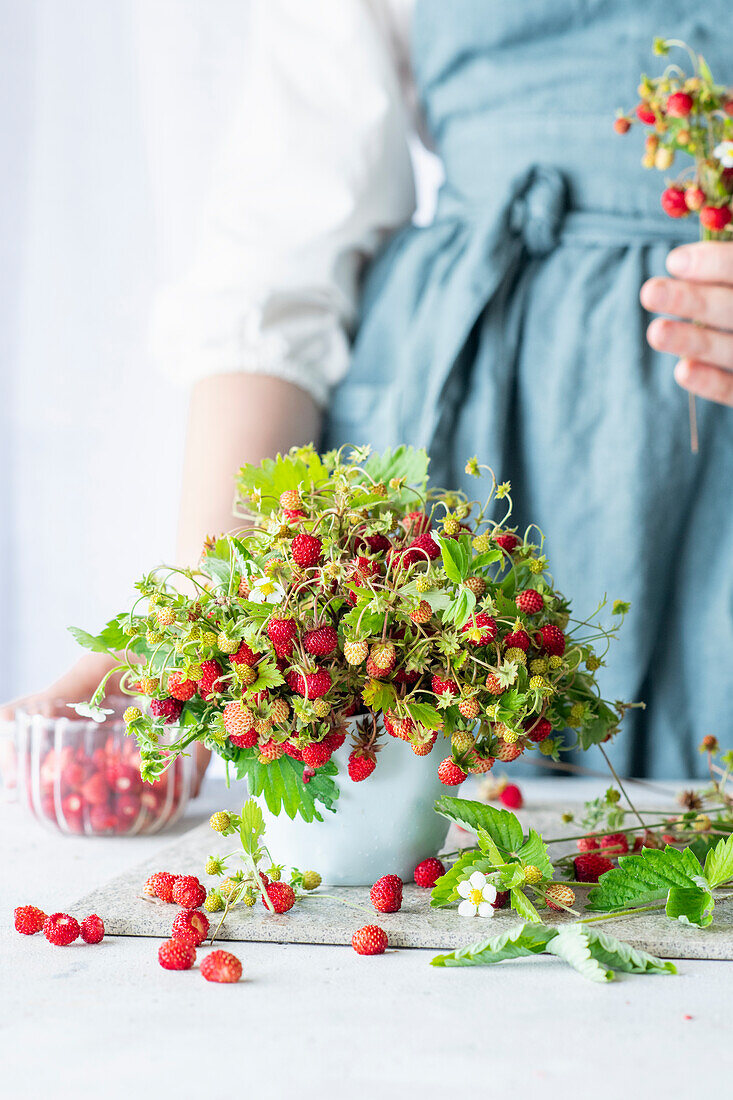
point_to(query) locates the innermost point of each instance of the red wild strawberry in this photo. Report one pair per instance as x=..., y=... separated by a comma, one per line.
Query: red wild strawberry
x=424, y=548
x=378, y=544
x=715, y=218
x=181, y=689
x=244, y=656
x=551, y=639
x=506, y=752
x=282, y=633
x=369, y=940
x=160, y=885
x=530, y=601
x=588, y=843
x=313, y=684
x=493, y=684
x=96, y=790
x=335, y=739
x=511, y=797
x=508, y=542
x=673, y=202
x=306, y=550
x=538, y=729
x=221, y=966
x=480, y=629
x=614, y=844
x=518, y=639
x=589, y=867
x=271, y=750
x=316, y=754
x=92, y=929
x=386, y=894
x=190, y=926
x=244, y=740
x=124, y=779
x=559, y=897
x=176, y=955
x=450, y=774
x=281, y=895
x=29, y=920
x=188, y=892
x=645, y=114
x=360, y=767
x=60, y=929
x=321, y=641
x=428, y=872
x=170, y=709
x=501, y=899
x=210, y=681
x=679, y=105
x=440, y=686
x=694, y=197
x=415, y=523
x=622, y=125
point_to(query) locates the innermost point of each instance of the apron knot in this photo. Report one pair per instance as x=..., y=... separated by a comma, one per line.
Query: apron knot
x=538, y=210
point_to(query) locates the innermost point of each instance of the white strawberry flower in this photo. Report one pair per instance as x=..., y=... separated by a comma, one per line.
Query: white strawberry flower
x=266, y=590
x=724, y=153
x=477, y=894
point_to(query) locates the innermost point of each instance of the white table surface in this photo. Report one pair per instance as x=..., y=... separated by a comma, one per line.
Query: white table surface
x=317, y=1021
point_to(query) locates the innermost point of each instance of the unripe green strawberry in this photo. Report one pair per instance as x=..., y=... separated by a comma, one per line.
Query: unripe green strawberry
x=532, y=875
x=214, y=902
x=226, y=644
x=220, y=821
x=423, y=584
x=131, y=714
x=311, y=880
x=481, y=544
x=214, y=866
x=462, y=741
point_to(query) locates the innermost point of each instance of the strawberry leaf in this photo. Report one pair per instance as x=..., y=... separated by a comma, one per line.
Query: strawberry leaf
x=517, y=942
x=644, y=877
x=719, y=862
x=501, y=825
x=572, y=944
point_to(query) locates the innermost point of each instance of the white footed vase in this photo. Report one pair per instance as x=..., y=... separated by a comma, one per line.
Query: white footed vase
x=384, y=825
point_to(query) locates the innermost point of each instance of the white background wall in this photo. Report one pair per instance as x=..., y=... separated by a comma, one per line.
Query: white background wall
x=110, y=112
x=110, y=115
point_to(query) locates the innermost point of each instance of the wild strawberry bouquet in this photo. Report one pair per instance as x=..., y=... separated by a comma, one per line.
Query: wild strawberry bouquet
x=689, y=114
x=354, y=591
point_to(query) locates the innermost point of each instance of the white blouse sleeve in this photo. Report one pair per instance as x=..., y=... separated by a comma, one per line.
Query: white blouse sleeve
x=314, y=171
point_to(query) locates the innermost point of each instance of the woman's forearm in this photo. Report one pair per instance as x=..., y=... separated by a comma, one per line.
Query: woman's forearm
x=233, y=419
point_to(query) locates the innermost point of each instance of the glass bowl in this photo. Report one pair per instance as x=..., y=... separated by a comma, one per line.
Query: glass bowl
x=83, y=777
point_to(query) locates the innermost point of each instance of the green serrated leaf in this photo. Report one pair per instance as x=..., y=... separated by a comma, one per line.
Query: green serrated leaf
x=644, y=877
x=402, y=462
x=489, y=848
x=425, y=715
x=619, y=955
x=379, y=695
x=281, y=784
x=516, y=942
x=252, y=826
x=572, y=944
x=534, y=853
x=501, y=825
x=690, y=905
x=719, y=862
x=301, y=470
x=455, y=560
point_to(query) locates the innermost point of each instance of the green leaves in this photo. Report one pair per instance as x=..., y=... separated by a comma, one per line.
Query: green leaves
x=425, y=715
x=521, y=903
x=281, y=784
x=252, y=826
x=301, y=469
x=534, y=852
x=573, y=945
x=501, y=825
x=522, y=940
x=644, y=877
x=719, y=863
x=444, y=892
x=595, y=955
x=456, y=559
x=110, y=640
x=690, y=905
x=405, y=463
x=676, y=876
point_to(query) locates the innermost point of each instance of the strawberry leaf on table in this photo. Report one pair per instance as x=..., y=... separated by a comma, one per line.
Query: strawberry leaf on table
x=521, y=903
x=595, y=955
x=502, y=826
x=534, y=853
x=645, y=877
x=719, y=862
x=445, y=890
x=690, y=905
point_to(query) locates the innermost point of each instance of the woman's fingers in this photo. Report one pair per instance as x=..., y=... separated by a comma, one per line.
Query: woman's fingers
x=692, y=341
x=704, y=262
x=705, y=380
x=710, y=305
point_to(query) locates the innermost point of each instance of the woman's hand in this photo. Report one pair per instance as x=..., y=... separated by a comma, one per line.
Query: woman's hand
x=75, y=686
x=701, y=291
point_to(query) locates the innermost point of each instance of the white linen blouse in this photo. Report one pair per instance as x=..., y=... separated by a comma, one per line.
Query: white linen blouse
x=314, y=171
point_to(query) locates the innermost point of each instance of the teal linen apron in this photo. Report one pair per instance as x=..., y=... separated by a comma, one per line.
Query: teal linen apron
x=511, y=328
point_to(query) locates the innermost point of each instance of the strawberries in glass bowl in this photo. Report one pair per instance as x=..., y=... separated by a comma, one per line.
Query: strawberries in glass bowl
x=83, y=777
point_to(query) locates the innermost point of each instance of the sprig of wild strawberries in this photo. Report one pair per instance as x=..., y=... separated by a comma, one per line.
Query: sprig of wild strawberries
x=353, y=590
x=692, y=115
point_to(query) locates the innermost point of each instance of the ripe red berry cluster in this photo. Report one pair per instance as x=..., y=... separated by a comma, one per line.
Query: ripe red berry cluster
x=59, y=929
x=184, y=890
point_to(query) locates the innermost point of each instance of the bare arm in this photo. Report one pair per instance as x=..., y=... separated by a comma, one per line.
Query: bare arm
x=233, y=419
